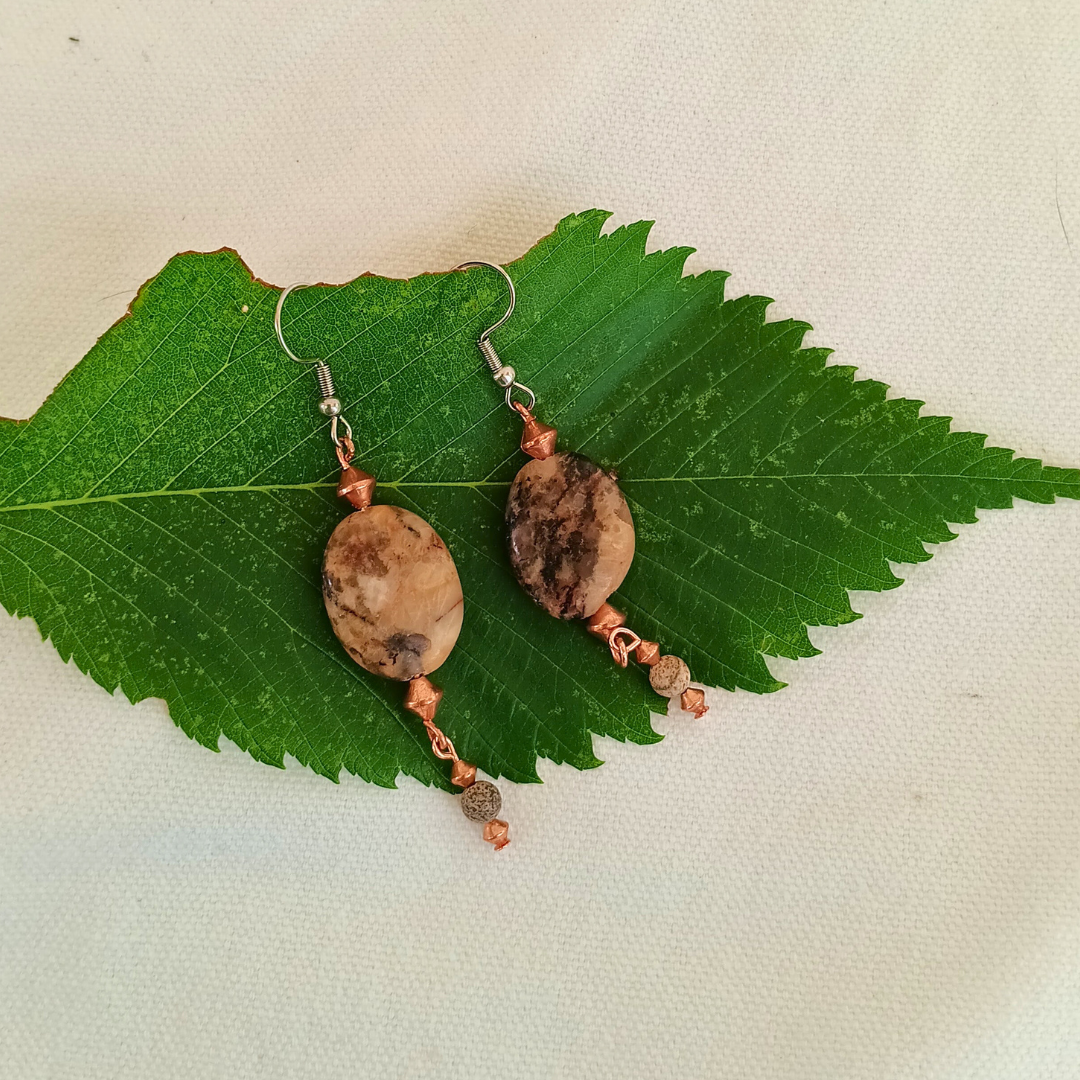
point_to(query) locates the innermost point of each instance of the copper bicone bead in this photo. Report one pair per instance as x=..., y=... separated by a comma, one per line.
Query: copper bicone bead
x=647, y=653
x=357, y=486
x=463, y=774
x=481, y=801
x=537, y=439
x=693, y=701
x=669, y=676
x=605, y=619
x=498, y=833
x=423, y=697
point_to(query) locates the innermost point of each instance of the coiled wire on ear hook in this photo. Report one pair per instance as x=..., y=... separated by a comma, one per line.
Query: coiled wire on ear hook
x=329, y=405
x=503, y=374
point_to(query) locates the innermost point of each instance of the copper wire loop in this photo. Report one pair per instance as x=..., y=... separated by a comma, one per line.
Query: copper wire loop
x=607, y=623
x=345, y=450
x=441, y=746
x=621, y=641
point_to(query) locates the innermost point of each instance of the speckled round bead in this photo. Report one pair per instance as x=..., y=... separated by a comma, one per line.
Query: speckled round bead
x=481, y=801
x=669, y=676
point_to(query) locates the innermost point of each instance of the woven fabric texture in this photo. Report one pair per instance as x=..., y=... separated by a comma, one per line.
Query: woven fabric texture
x=871, y=875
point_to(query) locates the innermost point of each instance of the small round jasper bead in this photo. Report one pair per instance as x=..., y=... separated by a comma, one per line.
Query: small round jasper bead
x=570, y=534
x=481, y=801
x=669, y=676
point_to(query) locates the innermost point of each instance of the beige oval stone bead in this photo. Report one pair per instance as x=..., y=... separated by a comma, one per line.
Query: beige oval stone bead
x=392, y=592
x=570, y=533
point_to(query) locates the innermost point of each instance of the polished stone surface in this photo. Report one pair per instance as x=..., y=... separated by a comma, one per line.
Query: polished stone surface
x=392, y=592
x=570, y=533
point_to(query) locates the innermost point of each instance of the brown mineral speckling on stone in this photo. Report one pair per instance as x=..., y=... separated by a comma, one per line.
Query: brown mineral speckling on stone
x=570, y=533
x=392, y=592
x=669, y=676
x=481, y=801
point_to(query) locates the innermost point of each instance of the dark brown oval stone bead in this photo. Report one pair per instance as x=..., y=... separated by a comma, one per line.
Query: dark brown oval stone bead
x=570, y=532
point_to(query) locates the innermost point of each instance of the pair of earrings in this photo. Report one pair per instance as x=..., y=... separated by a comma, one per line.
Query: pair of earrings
x=392, y=590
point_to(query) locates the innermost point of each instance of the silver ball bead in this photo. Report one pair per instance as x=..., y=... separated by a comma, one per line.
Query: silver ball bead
x=330, y=406
x=481, y=801
x=505, y=376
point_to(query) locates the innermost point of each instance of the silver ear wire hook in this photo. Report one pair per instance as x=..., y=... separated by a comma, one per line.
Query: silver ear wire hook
x=277, y=325
x=509, y=284
x=329, y=405
x=503, y=374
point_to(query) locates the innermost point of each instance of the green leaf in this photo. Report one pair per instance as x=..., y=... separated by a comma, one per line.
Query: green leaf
x=164, y=512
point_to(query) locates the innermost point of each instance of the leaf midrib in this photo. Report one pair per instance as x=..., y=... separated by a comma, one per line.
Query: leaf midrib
x=395, y=485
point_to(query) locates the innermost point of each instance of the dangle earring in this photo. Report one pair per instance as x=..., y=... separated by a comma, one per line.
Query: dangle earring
x=571, y=536
x=394, y=598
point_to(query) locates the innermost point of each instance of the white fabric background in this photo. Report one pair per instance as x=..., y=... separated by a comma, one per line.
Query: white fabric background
x=872, y=874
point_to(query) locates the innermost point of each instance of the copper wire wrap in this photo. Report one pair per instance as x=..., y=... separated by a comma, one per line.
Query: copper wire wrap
x=345, y=450
x=621, y=641
x=441, y=746
x=607, y=624
x=422, y=698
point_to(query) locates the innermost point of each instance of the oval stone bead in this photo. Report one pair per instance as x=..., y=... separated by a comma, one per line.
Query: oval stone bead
x=570, y=533
x=392, y=592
